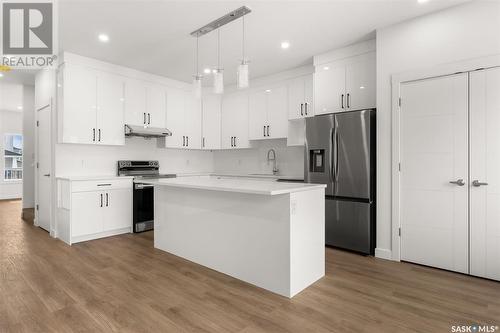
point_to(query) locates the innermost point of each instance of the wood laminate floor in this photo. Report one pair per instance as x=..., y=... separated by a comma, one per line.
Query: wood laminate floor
x=123, y=284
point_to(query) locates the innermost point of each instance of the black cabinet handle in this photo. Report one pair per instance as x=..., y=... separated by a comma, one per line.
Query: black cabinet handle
x=342, y=101
x=264, y=130
x=306, y=108
x=301, y=109
x=101, y=199
x=187, y=141
x=232, y=144
x=267, y=130
x=107, y=200
x=203, y=142
x=149, y=118
x=144, y=114
x=348, y=106
x=93, y=135
x=235, y=141
x=99, y=135
x=183, y=141
x=103, y=184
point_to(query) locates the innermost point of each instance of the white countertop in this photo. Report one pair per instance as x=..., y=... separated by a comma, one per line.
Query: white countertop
x=95, y=177
x=243, y=175
x=252, y=186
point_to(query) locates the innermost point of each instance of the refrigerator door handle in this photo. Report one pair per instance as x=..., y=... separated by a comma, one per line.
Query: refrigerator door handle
x=330, y=154
x=337, y=137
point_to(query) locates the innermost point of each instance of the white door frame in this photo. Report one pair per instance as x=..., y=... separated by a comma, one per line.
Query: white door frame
x=397, y=80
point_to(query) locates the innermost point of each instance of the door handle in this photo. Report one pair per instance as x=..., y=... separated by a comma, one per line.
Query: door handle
x=183, y=141
x=235, y=141
x=187, y=141
x=477, y=183
x=342, y=99
x=107, y=200
x=264, y=130
x=47, y=175
x=149, y=118
x=348, y=100
x=101, y=199
x=99, y=135
x=267, y=130
x=459, y=182
x=301, y=109
x=144, y=118
x=330, y=157
x=232, y=141
x=305, y=108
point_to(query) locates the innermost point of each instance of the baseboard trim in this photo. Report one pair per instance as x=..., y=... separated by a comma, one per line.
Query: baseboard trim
x=383, y=253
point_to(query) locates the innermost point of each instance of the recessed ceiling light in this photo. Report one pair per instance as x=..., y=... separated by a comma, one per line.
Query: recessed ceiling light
x=103, y=38
x=285, y=45
x=268, y=90
x=422, y=1
x=207, y=71
x=19, y=107
x=362, y=87
x=326, y=68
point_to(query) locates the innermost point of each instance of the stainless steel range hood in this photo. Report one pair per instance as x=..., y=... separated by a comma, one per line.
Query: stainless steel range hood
x=146, y=132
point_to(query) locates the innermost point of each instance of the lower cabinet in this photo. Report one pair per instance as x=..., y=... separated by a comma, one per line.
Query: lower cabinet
x=90, y=209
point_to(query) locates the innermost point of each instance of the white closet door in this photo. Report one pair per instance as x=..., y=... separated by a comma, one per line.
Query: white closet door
x=485, y=168
x=434, y=144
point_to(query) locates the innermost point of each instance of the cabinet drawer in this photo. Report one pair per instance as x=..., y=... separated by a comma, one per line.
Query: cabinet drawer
x=100, y=185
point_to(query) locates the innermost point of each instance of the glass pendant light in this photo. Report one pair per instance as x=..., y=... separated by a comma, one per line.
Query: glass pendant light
x=219, y=72
x=197, y=77
x=243, y=78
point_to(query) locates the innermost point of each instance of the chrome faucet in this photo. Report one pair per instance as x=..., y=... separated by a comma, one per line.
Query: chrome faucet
x=275, y=166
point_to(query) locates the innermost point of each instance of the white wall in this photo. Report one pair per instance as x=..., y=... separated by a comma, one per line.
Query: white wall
x=11, y=122
x=459, y=33
x=83, y=160
x=28, y=146
x=254, y=160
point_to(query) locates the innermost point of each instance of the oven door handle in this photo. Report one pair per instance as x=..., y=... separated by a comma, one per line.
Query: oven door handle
x=142, y=186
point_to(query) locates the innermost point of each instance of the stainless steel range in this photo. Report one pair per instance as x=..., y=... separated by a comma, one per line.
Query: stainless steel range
x=143, y=193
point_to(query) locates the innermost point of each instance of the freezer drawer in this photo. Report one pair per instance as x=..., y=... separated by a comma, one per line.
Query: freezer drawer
x=350, y=225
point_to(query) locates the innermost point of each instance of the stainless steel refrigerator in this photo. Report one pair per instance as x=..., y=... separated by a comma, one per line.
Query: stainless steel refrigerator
x=340, y=152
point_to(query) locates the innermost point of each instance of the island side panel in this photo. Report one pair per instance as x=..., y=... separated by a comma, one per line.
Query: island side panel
x=246, y=236
x=307, y=233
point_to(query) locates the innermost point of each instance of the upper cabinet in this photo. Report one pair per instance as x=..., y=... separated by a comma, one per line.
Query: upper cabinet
x=211, y=122
x=183, y=120
x=300, y=97
x=345, y=85
x=268, y=113
x=234, y=121
x=90, y=108
x=145, y=103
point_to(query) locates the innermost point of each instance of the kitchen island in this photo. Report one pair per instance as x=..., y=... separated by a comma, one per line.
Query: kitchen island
x=267, y=233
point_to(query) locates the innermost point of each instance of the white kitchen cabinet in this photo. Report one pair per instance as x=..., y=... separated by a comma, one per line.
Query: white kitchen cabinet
x=91, y=107
x=86, y=213
x=235, y=121
x=345, y=85
x=300, y=97
x=90, y=209
x=135, y=103
x=115, y=215
x=268, y=113
x=145, y=103
x=211, y=122
x=156, y=105
x=184, y=120
x=110, y=109
x=192, y=122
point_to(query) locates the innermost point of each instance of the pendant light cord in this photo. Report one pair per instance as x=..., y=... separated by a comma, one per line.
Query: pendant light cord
x=197, y=55
x=243, y=47
x=218, y=49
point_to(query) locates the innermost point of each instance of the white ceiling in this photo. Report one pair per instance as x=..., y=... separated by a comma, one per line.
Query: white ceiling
x=153, y=36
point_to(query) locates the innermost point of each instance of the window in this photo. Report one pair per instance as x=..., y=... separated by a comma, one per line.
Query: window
x=13, y=154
